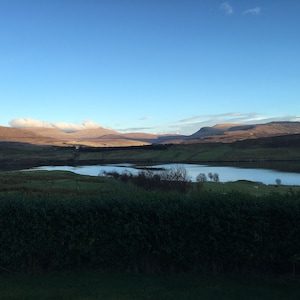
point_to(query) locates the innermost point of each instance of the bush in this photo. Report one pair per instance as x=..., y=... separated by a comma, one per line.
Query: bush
x=175, y=179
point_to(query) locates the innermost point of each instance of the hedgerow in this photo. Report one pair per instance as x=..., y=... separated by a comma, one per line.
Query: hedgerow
x=151, y=232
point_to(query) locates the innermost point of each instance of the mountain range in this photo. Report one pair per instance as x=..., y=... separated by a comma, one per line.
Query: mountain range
x=102, y=137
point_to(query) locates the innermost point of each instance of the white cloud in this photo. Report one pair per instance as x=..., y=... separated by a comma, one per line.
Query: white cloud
x=136, y=129
x=75, y=127
x=185, y=126
x=252, y=11
x=27, y=122
x=145, y=118
x=194, y=123
x=227, y=8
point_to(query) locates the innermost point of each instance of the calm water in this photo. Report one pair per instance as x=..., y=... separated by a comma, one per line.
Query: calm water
x=226, y=174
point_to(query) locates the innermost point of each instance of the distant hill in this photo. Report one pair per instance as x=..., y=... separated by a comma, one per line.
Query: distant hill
x=97, y=137
x=102, y=137
x=228, y=133
x=8, y=134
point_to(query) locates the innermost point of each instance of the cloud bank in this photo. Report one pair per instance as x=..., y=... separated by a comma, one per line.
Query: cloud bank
x=194, y=123
x=185, y=126
x=67, y=127
x=227, y=8
x=252, y=11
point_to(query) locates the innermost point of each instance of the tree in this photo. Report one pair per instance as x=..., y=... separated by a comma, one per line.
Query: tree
x=201, y=177
x=176, y=178
x=278, y=181
x=215, y=177
x=175, y=174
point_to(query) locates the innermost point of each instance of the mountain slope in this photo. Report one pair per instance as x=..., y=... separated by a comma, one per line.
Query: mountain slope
x=8, y=134
x=101, y=137
x=227, y=133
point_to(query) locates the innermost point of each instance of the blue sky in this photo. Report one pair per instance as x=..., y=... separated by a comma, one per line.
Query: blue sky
x=157, y=66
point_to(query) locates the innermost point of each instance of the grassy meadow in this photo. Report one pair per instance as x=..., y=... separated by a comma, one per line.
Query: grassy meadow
x=17, y=156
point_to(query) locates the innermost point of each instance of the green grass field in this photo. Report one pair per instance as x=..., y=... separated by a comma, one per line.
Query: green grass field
x=92, y=284
x=88, y=285
x=18, y=156
x=70, y=183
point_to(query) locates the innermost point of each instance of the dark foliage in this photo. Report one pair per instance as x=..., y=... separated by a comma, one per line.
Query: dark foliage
x=175, y=179
x=151, y=232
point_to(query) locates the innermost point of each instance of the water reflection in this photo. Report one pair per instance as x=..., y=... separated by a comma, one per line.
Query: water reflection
x=226, y=174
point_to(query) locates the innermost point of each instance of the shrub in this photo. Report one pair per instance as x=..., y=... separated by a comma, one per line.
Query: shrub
x=175, y=179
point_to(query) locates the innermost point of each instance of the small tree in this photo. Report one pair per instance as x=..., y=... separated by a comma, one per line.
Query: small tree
x=210, y=176
x=175, y=174
x=215, y=177
x=278, y=181
x=201, y=177
x=176, y=178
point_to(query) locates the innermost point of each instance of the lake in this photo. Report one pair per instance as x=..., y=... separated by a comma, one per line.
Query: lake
x=226, y=174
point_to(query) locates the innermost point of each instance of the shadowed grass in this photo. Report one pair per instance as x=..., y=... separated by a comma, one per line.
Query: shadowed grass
x=65, y=182
x=90, y=285
x=115, y=285
x=248, y=187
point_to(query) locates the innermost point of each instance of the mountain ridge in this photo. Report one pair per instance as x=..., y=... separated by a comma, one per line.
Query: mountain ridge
x=102, y=137
x=235, y=132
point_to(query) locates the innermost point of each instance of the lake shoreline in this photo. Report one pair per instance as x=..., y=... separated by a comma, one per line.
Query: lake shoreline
x=247, y=163
x=16, y=165
x=225, y=173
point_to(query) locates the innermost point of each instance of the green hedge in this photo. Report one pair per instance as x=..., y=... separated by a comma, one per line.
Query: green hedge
x=151, y=232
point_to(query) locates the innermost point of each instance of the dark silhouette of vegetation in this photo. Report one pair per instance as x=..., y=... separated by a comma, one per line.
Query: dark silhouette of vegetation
x=175, y=179
x=151, y=232
x=201, y=179
x=216, y=177
x=213, y=177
